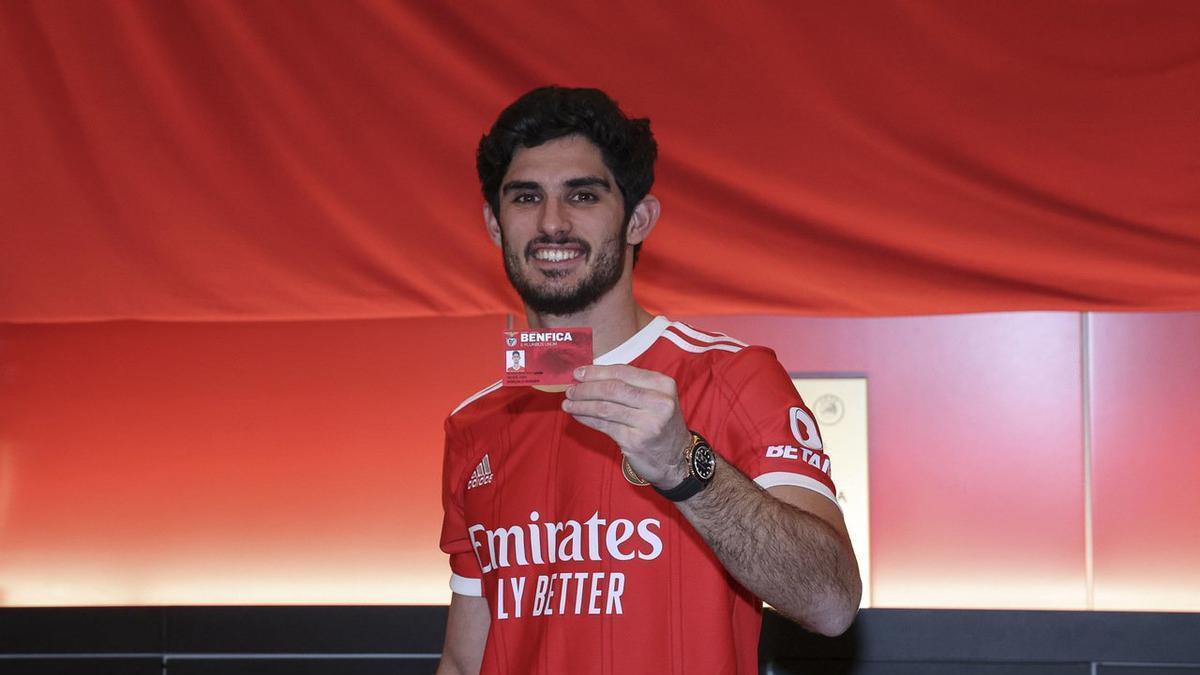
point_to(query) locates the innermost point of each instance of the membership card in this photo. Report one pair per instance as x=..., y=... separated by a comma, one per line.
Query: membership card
x=548, y=356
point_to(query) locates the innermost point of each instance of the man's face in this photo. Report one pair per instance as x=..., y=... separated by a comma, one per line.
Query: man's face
x=516, y=359
x=561, y=226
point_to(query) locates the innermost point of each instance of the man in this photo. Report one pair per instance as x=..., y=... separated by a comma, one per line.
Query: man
x=514, y=364
x=563, y=559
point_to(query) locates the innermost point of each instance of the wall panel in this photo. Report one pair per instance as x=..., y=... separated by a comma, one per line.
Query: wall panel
x=225, y=463
x=1146, y=460
x=976, y=455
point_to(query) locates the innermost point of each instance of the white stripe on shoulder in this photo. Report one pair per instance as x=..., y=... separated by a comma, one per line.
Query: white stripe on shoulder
x=466, y=585
x=636, y=345
x=479, y=394
x=777, y=478
x=696, y=349
x=705, y=337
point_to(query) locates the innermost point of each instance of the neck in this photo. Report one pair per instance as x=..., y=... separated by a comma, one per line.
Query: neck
x=614, y=318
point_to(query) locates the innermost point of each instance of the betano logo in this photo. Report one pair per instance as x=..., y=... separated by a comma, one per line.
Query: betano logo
x=804, y=428
x=784, y=451
x=810, y=457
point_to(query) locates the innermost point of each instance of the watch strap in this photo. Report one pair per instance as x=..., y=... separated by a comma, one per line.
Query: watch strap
x=685, y=490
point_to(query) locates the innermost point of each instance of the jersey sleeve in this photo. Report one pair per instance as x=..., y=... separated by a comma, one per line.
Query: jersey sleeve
x=465, y=577
x=770, y=434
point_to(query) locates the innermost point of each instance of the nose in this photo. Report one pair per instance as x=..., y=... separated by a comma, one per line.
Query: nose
x=554, y=218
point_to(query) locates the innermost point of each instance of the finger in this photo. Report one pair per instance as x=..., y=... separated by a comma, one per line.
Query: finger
x=638, y=377
x=613, y=430
x=608, y=390
x=605, y=410
x=657, y=405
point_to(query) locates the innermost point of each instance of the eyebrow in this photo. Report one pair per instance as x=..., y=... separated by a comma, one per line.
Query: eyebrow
x=588, y=181
x=584, y=181
x=519, y=185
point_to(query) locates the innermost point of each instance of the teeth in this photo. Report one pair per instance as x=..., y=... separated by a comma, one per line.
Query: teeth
x=555, y=254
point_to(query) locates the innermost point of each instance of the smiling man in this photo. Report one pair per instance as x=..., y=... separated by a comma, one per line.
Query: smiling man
x=636, y=522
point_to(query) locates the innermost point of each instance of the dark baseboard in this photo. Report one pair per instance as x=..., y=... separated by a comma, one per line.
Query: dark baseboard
x=364, y=640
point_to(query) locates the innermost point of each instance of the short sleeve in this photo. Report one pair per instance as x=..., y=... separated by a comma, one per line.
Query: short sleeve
x=465, y=577
x=770, y=434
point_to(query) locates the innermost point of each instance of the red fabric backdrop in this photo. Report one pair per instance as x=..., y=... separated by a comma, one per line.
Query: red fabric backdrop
x=269, y=160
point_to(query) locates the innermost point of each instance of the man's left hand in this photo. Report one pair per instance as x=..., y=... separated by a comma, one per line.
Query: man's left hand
x=639, y=409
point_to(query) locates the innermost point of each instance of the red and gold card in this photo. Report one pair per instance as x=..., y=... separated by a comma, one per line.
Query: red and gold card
x=545, y=357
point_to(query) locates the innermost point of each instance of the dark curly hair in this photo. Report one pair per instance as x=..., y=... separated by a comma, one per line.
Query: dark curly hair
x=546, y=113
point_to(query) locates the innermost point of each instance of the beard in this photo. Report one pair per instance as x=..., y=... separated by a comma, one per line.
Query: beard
x=561, y=300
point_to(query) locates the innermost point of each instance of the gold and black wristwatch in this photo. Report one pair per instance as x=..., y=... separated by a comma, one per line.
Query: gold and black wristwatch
x=701, y=464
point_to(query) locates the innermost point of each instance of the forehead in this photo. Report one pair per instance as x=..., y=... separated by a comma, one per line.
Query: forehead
x=557, y=160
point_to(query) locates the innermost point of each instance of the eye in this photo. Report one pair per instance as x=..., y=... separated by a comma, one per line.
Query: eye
x=584, y=197
x=525, y=198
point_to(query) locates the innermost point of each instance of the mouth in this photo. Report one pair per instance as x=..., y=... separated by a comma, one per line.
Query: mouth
x=556, y=256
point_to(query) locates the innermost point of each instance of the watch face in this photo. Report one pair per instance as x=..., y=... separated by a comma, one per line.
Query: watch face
x=703, y=462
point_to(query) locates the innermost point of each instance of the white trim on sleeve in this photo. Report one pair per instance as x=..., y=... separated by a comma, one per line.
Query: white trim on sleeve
x=466, y=585
x=776, y=478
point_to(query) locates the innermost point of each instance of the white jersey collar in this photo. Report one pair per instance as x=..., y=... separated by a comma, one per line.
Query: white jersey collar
x=636, y=345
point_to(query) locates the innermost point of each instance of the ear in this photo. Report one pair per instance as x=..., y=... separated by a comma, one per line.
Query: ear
x=491, y=223
x=644, y=218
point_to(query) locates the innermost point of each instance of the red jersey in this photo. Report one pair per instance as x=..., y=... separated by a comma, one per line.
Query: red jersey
x=585, y=572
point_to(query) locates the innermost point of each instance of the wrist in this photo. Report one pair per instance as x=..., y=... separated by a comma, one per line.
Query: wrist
x=699, y=463
x=678, y=470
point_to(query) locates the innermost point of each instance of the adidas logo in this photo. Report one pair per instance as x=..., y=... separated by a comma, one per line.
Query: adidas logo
x=482, y=474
